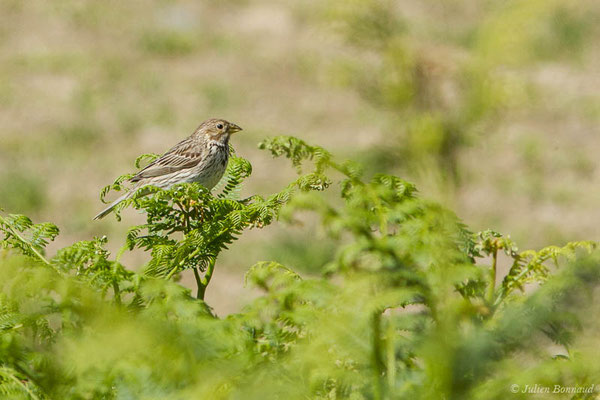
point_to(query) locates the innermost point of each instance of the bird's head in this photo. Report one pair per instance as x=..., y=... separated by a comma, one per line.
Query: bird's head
x=217, y=129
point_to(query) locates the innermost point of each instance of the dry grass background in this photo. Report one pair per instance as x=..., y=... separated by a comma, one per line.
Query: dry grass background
x=86, y=86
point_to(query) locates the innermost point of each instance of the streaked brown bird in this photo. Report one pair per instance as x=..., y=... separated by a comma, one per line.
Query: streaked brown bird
x=202, y=158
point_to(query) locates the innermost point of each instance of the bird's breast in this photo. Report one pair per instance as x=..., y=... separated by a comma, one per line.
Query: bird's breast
x=210, y=170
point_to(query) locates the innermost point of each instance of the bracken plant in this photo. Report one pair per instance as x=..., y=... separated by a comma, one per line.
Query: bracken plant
x=411, y=305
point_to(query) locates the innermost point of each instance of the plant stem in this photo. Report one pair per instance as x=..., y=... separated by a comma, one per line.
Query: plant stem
x=117, y=292
x=492, y=286
x=198, y=284
x=172, y=272
x=378, y=365
x=203, y=283
x=391, y=358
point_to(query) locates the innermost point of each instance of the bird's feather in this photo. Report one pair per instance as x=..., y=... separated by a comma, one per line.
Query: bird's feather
x=109, y=209
x=186, y=154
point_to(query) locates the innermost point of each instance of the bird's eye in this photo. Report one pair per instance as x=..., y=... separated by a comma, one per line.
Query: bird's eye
x=220, y=126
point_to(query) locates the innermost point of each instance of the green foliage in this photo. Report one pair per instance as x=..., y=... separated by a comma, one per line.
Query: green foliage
x=408, y=307
x=210, y=224
x=89, y=260
x=29, y=238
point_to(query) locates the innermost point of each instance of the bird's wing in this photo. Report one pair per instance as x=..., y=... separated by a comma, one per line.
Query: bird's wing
x=186, y=154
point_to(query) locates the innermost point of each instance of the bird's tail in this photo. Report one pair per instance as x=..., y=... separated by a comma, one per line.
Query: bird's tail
x=112, y=205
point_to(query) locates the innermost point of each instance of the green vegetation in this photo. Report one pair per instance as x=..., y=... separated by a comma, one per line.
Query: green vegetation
x=411, y=306
x=358, y=286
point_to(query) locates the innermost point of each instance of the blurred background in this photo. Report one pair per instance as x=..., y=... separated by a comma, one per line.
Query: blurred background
x=490, y=107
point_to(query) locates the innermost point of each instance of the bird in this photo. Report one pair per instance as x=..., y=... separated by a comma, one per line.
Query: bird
x=201, y=157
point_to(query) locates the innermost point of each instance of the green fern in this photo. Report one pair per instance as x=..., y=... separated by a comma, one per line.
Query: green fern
x=408, y=306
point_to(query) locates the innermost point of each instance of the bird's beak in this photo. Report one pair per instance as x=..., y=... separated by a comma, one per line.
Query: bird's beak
x=233, y=128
